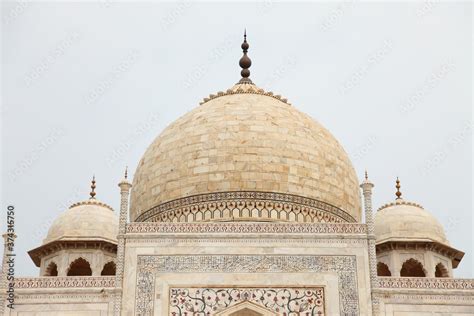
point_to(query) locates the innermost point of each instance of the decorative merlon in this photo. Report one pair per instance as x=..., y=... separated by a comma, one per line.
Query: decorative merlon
x=400, y=202
x=243, y=89
x=91, y=202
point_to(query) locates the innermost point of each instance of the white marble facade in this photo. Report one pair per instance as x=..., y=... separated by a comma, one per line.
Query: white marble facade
x=244, y=206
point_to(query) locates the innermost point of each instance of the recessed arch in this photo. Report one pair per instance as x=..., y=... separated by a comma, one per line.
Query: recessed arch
x=246, y=308
x=79, y=267
x=246, y=312
x=412, y=268
x=109, y=268
x=51, y=269
x=383, y=270
x=441, y=271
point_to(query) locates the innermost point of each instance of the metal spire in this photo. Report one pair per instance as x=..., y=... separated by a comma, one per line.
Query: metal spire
x=93, y=188
x=398, y=193
x=245, y=62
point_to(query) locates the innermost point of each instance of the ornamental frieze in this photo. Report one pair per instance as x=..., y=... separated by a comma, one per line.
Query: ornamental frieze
x=425, y=283
x=65, y=282
x=238, y=227
x=245, y=205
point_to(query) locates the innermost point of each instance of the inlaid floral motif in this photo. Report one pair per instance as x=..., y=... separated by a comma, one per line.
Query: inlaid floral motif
x=282, y=301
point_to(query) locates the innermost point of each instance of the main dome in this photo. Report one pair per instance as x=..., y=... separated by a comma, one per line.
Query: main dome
x=245, y=145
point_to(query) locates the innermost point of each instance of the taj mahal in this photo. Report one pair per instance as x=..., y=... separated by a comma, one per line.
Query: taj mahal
x=244, y=206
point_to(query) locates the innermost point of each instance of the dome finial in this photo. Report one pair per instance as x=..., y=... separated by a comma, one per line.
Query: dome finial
x=366, y=175
x=93, y=188
x=245, y=62
x=398, y=193
x=126, y=172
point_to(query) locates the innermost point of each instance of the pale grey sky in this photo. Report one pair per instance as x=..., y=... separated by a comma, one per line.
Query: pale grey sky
x=86, y=87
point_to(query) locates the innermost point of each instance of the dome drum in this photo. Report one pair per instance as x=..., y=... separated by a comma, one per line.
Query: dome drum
x=248, y=205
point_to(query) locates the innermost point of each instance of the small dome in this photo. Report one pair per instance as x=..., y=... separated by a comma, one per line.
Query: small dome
x=245, y=139
x=88, y=220
x=407, y=221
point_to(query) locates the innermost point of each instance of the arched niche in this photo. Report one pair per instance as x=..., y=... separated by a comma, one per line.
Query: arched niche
x=51, y=269
x=441, y=271
x=412, y=268
x=383, y=270
x=109, y=268
x=246, y=309
x=79, y=267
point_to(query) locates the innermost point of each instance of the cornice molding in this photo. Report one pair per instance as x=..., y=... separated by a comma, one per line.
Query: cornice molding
x=57, y=245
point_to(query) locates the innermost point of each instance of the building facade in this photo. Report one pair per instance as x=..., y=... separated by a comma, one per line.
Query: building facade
x=244, y=207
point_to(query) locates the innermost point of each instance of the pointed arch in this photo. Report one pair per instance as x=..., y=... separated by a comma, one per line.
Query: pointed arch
x=412, y=268
x=79, y=267
x=441, y=271
x=109, y=268
x=51, y=269
x=383, y=270
x=246, y=312
x=246, y=308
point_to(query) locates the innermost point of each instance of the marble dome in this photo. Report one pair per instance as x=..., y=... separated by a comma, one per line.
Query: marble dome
x=87, y=220
x=245, y=140
x=407, y=221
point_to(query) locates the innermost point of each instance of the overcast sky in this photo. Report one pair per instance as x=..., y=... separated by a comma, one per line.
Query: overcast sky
x=86, y=87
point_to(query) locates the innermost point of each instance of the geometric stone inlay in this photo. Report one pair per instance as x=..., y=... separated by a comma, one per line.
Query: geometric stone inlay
x=425, y=283
x=282, y=301
x=65, y=282
x=248, y=228
x=149, y=265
